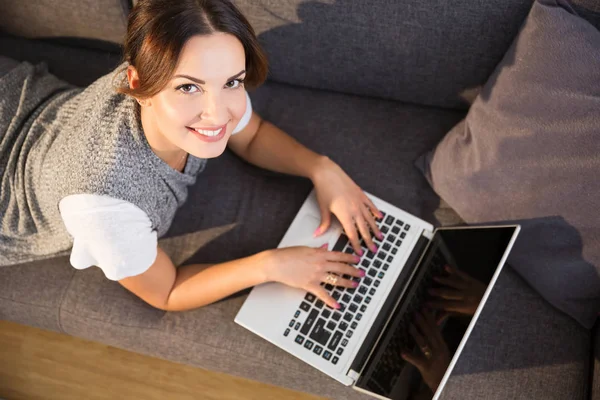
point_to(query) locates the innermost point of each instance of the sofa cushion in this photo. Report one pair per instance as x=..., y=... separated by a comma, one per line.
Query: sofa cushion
x=32, y=293
x=236, y=209
x=92, y=19
x=528, y=151
x=431, y=52
x=521, y=348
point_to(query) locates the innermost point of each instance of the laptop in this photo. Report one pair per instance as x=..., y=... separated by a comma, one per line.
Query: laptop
x=361, y=345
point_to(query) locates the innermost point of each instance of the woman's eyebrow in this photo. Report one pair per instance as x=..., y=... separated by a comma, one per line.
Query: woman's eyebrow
x=201, y=82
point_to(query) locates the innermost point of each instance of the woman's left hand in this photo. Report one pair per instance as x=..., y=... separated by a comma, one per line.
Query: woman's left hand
x=338, y=194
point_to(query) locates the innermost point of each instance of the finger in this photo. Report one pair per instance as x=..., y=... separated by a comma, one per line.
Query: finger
x=373, y=209
x=365, y=232
x=441, y=317
x=323, y=295
x=342, y=281
x=420, y=362
x=448, y=294
x=341, y=257
x=436, y=334
x=419, y=339
x=325, y=221
x=352, y=234
x=446, y=305
x=424, y=326
x=451, y=281
x=372, y=223
x=458, y=273
x=341, y=269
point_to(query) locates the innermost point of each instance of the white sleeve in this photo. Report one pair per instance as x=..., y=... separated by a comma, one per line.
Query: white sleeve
x=246, y=117
x=112, y=234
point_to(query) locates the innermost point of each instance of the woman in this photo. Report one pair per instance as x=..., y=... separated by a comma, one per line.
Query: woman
x=99, y=172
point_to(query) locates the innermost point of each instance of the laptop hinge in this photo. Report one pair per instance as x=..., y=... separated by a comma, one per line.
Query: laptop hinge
x=390, y=303
x=353, y=375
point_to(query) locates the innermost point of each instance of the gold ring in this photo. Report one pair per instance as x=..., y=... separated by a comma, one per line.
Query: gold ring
x=331, y=279
x=426, y=351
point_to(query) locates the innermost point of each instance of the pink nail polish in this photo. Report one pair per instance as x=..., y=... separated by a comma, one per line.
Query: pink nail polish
x=356, y=259
x=375, y=249
x=362, y=273
x=354, y=284
x=318, y=231
x=360, y=252
x=337, y=306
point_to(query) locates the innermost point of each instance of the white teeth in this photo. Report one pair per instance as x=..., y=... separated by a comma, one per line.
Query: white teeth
x=208, y=133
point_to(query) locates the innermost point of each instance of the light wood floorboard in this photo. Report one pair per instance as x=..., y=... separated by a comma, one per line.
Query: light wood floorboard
x=39, y=364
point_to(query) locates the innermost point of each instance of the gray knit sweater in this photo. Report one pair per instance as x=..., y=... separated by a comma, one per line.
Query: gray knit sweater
x=57, y=140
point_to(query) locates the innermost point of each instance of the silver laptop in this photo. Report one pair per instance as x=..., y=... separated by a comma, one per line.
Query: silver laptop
x=361, y=344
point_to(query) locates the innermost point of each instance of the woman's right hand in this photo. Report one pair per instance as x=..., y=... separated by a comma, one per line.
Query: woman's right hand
x=306, y=267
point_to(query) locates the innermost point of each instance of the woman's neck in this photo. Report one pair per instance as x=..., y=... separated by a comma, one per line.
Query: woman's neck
x=175, y=157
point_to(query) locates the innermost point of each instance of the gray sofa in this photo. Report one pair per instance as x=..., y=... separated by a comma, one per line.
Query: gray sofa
x=371, y=84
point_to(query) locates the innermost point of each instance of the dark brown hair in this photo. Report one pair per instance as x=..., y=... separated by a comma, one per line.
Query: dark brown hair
x=157, y=30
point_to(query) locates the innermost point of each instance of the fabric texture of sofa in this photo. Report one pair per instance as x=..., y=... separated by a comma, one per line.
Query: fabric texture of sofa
x=371, y=84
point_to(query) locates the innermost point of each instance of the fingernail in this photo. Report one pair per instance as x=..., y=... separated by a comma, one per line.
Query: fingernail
x=337, y=306
x=374, y=249
x=360, y=252
x=354, y=284
x=356, y=259
x=380, y=215
x=318, y=231
x=324, y=246
x=362, y=273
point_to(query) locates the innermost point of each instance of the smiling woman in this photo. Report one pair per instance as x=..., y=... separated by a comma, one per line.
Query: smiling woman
x=108, y=166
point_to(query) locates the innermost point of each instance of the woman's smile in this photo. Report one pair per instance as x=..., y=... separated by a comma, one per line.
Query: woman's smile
x=209, y=134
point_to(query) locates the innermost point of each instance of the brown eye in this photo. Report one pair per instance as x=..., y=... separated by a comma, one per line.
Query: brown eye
x=188, y=88
x=234, y=84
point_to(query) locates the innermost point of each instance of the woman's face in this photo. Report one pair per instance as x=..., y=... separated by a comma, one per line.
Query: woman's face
x=205, y=99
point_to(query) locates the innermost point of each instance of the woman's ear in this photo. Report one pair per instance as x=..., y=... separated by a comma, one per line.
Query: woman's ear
x=134, y=82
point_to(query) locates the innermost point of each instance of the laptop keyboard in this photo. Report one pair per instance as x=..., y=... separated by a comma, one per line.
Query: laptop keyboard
x=326, y=331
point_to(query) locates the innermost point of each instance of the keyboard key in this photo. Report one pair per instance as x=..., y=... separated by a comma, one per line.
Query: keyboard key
x=394, y=251
x=318, y=350
x=367, y=281
x=340, y=351
x=297, y=325
x=389, y=220
x=328, y=287
x=344, y=342
x=398, y=242
x=377, y=263
x=327, y=355
x=331, y=325
x=376, y=284
x=384, y=229
x=402, y=235
x=297, y=314
x=353, y=307
x=348, y=317
x=335, y=340
x=391, y=238
x=349, y=334
x=381, y=255
x=319, y=333
x=372, y=291
x=341, y=243
x=348, y=250
x=308, y=344
x=335, y=360
x=363, y=308
x=382, y=213
x=358, y=298
x=399, y=223
x=353, y=325
x=370, y=255
x=358, y=317
x=336, y=316
x=372, y=272
x=343, y=326
x=390, y=259
x=342, y=307
x=310, y=320
x=319, y=304
x=310, y=297
x=367, y=299
x=346, y=298
x=287, y=332
x=292, y=322
x=362, y=289
x=299, y=339
x=305, y=306
x=365, y=263
x=407, y=227
x=380, y=275
x=325, y=313
x=387, y=246
x=336, y=295
x=386, y=266
x=396, y=229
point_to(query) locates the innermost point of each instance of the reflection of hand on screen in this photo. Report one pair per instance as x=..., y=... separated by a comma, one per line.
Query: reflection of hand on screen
x=460, y=294
x=432, y=356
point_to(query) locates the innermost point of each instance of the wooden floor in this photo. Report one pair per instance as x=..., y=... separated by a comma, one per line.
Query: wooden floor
x=39, y=364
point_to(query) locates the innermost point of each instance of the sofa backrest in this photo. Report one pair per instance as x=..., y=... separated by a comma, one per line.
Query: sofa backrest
x=432, y=52
x=103, y=20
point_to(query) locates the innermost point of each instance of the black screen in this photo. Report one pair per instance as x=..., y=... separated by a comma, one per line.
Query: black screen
x=434, y=312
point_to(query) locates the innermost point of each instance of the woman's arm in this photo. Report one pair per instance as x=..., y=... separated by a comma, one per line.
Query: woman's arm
x=178, y=289
x=263, y=144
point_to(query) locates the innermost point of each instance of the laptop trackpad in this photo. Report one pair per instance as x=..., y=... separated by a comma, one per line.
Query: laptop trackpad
x=304, y=233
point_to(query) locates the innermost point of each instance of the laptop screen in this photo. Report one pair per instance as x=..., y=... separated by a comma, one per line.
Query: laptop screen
x=434, y=312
